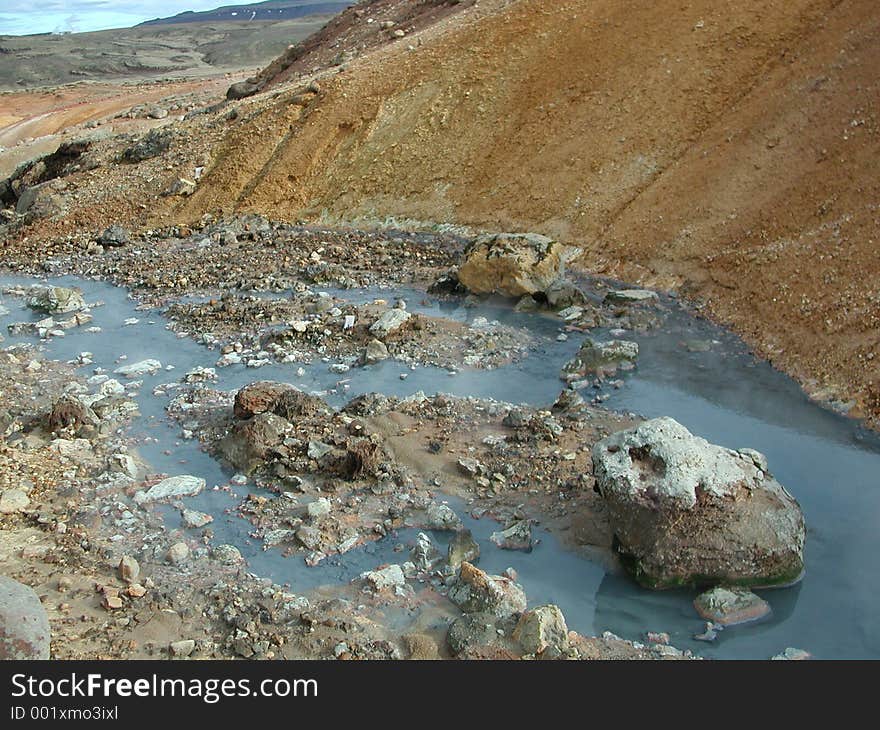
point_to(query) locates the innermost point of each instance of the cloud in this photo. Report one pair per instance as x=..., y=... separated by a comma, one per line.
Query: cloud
x=17, y=17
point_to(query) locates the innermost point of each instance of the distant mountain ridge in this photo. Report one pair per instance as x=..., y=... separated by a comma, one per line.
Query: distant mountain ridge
x=269, y=10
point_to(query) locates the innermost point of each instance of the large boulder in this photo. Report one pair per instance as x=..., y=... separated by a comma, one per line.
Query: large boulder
x=687, y=512
x=514, y=264
x=242, y=90
x=24, y=625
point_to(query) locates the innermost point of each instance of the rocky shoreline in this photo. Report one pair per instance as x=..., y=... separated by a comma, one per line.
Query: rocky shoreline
x=95, y=543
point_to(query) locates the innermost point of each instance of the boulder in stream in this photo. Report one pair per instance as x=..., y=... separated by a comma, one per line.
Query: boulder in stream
x=171, y=488
x=600, y=358
x=56, y=300
x=514, y=264
x=687, y=512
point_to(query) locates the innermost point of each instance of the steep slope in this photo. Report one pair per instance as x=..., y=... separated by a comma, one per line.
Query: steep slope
x=727, y=147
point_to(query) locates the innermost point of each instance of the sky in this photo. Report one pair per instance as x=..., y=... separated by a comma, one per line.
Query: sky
x=20, y=17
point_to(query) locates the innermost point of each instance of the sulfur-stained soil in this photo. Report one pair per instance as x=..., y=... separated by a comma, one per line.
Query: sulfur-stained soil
x=724, y=151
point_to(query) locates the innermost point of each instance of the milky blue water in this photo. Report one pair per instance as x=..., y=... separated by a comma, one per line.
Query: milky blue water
x=831, y=464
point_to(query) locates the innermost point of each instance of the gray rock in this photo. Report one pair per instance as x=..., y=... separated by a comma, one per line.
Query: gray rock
x=114, y=236
x=730, y=606
x=473, y=631
x=12, y=501
x=476, y=591
x=441, y=517
x=319, y=508
x=227, y=554
x=242, y=90
x=462, y=548
x=153, y=144
x=391, y=576
x=792, y=654
x=139, y=369
x=390, y=321
x=24, y=624
x=375, y=352
x=628, y=296
x=57, y=300
x=517, y=536
x=687, y=512
x=318, y=449
x=171, y=488
x=129, y=569
x=541, y=628
x=425, y=552
x=600, y=358
x=309, y=536
x=183, y=648
x=177, y=553
x=193, y=519
x=563, y=293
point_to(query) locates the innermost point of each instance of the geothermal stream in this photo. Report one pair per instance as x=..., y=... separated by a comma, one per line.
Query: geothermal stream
x=830, y=464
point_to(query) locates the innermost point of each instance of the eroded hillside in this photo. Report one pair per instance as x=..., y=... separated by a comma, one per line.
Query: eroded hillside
x=723, y=149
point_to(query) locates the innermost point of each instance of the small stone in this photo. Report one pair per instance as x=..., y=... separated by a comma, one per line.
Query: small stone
x=628, y=296
x=182, y=648
x=517, y=536
x=462, y=548
x=192, y=519
x=319, y=508
x=441, y=517
x=129, y=569
x=389, y=322
x=476, y=591
x=541, y=628
x=13, y=500
x=227, y=554
x=172, y=488
x=375, y=352
x=655, y=637
x=111, y=602
x=139, y=369
x=318, y=449
x=390, y=576
x=136, y=590
x=177, y=553
x=792, y=654
x=730, y=606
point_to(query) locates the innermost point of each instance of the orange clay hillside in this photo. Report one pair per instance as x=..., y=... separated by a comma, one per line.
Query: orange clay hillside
x=724, y=149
